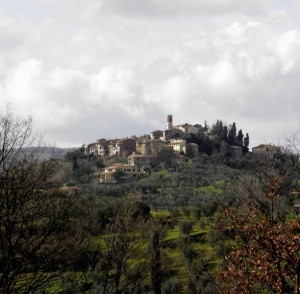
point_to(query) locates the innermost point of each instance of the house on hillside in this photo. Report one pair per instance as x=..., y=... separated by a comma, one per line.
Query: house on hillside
x=156, y=135
x=90, y=149
x=181, y=146
x=187, y=128
x=268, y=150
x=236, y=151
x=99, y=148
x=140, y=160
x=129, y=172
x=126, y=146
x=178, y=145
x=122, y=148
x=149, y=147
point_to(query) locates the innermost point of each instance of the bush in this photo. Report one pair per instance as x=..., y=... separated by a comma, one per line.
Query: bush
x=185, y=227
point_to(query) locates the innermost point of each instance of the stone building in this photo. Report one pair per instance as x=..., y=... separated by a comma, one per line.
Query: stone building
x=268, y=150
x=140, y=160
x=129, y=172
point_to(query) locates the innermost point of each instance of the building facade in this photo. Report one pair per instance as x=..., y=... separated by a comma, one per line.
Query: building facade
x=140, y=160
x=129, y=172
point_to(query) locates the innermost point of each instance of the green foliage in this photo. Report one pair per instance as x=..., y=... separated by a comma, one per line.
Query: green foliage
x=82, y=175
x=69, y=184
x=189, y=152
x=218, y=129
x=165, y=157
x=99, y=164
x=246, y=144
x=240, y=138
x=140, y=210
x=164, y=173
x=172, y=287
x=76, y=154
x=185, y=227
x=175, y=134
x=232, y=135
x=118, y=175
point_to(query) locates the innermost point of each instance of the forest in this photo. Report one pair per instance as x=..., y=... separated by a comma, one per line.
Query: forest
x=215, y=224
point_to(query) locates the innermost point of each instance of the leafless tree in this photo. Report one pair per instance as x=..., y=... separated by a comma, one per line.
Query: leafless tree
x=38, y=240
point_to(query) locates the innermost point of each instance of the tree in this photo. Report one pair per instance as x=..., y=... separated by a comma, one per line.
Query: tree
x=265, y=256
x=38, y=237
x=118, y=175
x=156, y=263
x=82, y=175
x=175, y=134
x=239, y=138
x=246, y=144
x=165, y=156
x=124, y=241
x=218, y=129
x=206, y=127
x=225, y=134
x=189, y=151
x=232, y=134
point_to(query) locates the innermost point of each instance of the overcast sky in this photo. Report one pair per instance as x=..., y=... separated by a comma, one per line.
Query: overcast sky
x=87, y=69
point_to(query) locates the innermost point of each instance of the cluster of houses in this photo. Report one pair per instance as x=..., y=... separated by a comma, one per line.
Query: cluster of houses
x=136, y=155
x=140, y=153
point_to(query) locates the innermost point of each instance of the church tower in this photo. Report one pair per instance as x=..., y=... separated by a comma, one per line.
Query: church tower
x=169, y=121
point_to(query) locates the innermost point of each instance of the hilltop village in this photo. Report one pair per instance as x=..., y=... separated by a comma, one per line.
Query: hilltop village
x=136, y=156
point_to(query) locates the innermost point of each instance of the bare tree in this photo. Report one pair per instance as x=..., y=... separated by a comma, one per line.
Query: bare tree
x=37, y=233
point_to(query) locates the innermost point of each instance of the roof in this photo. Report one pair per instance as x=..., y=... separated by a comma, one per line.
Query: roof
x=236, y=147
x=115, y=165
x=140, y=155
x=183, y=125
x=126, y=139
x=156, y=131
x=266, y=145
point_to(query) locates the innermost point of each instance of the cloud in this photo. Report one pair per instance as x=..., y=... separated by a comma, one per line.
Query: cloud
x=63, y=100
x=85, y=12
x=92, y=69
x=32, y=92
x=165, y=8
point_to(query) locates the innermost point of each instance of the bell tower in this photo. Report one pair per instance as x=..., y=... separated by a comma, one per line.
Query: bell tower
x=169, y=121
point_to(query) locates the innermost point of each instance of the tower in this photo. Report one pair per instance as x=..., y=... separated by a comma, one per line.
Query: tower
x=169, y=121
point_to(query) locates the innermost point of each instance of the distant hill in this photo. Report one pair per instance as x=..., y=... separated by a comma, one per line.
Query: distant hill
x=51, y=152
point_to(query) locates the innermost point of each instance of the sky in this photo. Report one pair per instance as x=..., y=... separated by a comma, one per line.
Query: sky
x=91, y=69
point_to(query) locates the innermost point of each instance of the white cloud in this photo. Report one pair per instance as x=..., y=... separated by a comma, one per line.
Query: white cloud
x=31, y=92
x=288, y=46
x=90, y=69
x=180, y=7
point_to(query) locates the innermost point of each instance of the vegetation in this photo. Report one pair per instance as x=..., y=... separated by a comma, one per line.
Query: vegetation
x=39, y=236
x=215, y=224
x=265, y=258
